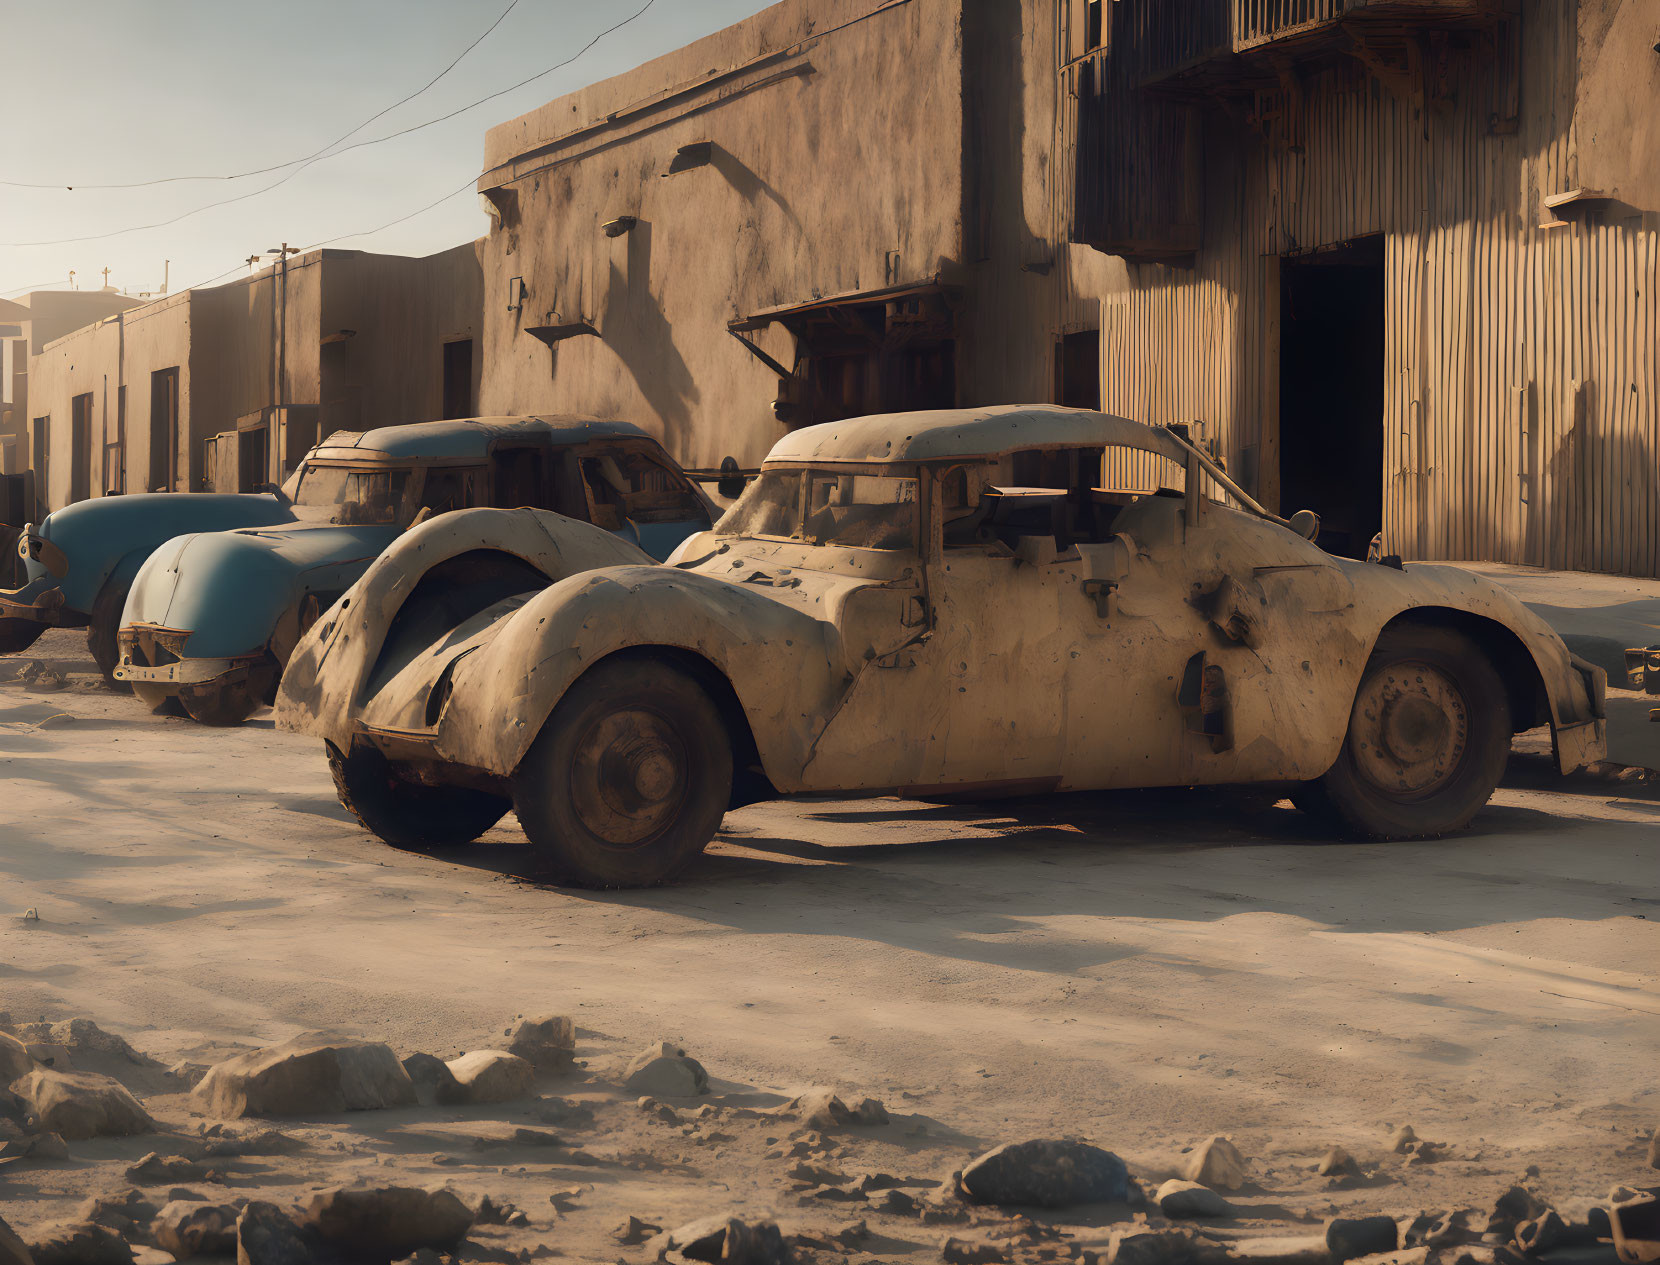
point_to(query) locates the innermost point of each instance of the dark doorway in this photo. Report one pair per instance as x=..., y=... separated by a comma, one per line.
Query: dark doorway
x=1078, y=370
x=80, y=447
x=458, y=378
x=164, y=429
x=1331, y=392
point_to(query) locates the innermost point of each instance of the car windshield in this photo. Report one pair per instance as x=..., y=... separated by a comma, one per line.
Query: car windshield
x=828, y=507
x=354, y=496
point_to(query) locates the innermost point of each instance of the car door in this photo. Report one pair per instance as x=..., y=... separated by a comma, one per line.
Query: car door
x=634, y=494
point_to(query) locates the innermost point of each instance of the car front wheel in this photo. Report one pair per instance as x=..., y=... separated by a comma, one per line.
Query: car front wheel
x=629, y=778
x=1428, y=739
x=410, y=814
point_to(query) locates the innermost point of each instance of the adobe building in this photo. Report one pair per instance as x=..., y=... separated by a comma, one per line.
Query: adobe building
x=834, y=207
x=1399, y=257
x=226, y=387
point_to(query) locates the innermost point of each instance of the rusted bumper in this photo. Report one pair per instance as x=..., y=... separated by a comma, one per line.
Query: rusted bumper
x=1581, y=735
x=38, y=604
x=154, y=656
x=1643, y=667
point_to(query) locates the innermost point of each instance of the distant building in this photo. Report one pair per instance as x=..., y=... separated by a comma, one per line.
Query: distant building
x=226, y=387
x=27, y=324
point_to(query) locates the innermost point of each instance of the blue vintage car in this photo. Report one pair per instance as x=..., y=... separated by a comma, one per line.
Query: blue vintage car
x=80, y=561
x=213, y=616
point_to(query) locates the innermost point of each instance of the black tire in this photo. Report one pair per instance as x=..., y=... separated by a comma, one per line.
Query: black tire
x=227, y=704
x=101, y=630
x=629, y=778
x=1429, y=736
x=409, y=814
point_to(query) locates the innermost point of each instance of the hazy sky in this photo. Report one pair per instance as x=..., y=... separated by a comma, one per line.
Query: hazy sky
x=107, y=91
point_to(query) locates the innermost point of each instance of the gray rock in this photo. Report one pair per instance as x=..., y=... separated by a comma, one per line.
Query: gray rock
x=1216, y=1163
x=187, y=1073
x=633, y=1232
x=1349, y=1237
x=870, y=1112
x=390, y=1221
x=1402, y=1140
x=729, y=1241
x=156, y=1169
x=265, y=1142
x=956, y=1251
x=487, y=1076
x=665, y=1071
x=310, y=1075
x=267, y=1235
x=1046, y=1173
x=129, y=1214
x=13, y=1251
x=186, y=1229
x=563, y=1111
x=1156, y=1247
x=1178, y=1199
x=1543, y=1233
x=1510, y=1209
x=15, y=1062
x=547, y=1041
x=80, y=1244
x=434, y=1083
x=81, y=1105
x=1337, y=1163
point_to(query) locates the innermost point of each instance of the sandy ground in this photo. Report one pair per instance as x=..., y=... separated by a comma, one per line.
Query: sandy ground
x=1142, y=970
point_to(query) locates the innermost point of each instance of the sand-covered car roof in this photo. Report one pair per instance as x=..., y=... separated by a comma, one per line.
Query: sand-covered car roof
x=465, y=438
x=942, y=434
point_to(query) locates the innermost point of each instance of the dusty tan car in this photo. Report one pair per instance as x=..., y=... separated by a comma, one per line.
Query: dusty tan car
x=935, y=604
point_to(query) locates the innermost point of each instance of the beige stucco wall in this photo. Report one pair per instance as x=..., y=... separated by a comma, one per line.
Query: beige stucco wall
x=837, y=126
x=85, y=362
x=157, y=338
x=1617, y=108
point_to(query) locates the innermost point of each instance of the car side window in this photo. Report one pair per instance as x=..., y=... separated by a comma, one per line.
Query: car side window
x=451, y=488
x=624, y=486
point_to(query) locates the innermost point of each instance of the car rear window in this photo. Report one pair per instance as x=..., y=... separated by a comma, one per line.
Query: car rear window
x=828, y=507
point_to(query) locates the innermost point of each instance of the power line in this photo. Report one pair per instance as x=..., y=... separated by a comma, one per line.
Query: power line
x=138, y=228
x=260, y=171
x=23, y=289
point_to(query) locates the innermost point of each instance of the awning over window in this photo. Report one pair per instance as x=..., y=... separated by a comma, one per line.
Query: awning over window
x=794, y=314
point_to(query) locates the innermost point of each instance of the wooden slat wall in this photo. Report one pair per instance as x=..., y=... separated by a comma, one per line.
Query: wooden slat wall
x=1520, y=417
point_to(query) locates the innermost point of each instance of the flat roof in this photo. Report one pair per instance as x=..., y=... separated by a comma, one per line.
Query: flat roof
x=940, y=434
x=469, y=437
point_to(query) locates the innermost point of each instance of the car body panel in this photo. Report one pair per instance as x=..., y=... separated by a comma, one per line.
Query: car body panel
x=1197, y=643
x=238, y=596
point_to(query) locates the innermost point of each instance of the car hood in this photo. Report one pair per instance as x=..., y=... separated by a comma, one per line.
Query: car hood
x=97, y=535
x=228, y=590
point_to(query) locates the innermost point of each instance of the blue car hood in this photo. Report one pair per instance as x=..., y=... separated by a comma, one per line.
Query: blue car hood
x=230, y=589
x=100, y=537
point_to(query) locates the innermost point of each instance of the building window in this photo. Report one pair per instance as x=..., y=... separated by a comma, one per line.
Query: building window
x=37, y=455
x=80, y=447
x=1078, y=370
x=115, y=447
x=164, y=430
x=458, y=378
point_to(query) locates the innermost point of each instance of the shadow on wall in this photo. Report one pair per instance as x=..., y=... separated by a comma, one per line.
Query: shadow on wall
x=1570, y=527
x=749, y=186
x=642, y=338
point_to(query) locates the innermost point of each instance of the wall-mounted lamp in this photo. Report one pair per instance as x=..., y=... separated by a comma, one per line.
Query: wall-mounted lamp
x=617, y=227
x=516, y=294
x=697, y=154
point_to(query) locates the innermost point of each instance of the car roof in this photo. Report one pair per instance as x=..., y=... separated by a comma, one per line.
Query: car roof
x=465, y=438
x=943, y=434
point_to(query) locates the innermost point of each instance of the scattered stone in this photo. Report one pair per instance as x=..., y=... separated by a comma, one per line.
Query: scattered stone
x=129, y=1214
x=1154, y=1247
x=1452, y=1229
x=849, y=1193
x=964, y=1252
x=1337, y=1163
x=80, y=1244
x=80, y=1105
x=564, y=1199
x=489, y=1212
x=82, y=1036
x=546, y=1042
x=187, y=1073
x=1401, y=1142
x=1178, y=1200
x=51, y=1054
x=487, y=1076
x=47, y=1146
x=1216, y=1163
x=562, y=1111
x=536, y=1137
x=1349, y=1237
x=13, y=1251
x=310, y=1075
x=267, y=1235
x=195, y=1229
x=1046, y=1173
x=898, y=1203
x=15, y=1062
x=156, y=1170
x=389, y=1221
x=633, y=1232
x=665, y=1071
x=434, y=1083
x=265, y=1142
x=1516, y=1205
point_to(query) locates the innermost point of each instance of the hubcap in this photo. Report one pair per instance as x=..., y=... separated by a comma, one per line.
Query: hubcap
x=1410, y=730
x=629, y=777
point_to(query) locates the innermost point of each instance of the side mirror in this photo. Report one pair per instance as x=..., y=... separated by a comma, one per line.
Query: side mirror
x=1306, y=523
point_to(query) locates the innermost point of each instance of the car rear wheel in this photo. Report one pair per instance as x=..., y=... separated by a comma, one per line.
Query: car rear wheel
x=629, y=778
x=102, y=626
x=410, y=814
x=1428, y=739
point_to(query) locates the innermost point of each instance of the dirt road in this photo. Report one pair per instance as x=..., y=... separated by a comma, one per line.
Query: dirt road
x=1141, y=969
